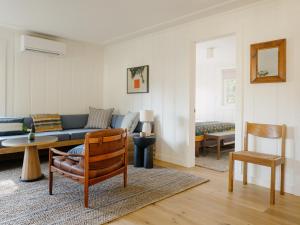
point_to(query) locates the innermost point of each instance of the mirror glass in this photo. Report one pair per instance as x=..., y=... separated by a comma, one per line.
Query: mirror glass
x=267, y=62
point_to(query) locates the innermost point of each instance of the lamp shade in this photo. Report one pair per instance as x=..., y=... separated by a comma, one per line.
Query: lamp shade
x=146, y=116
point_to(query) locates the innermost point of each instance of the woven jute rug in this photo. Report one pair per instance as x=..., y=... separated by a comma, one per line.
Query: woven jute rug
x=29, y=203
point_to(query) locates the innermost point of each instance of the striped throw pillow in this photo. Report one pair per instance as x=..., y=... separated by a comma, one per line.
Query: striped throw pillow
x=11, y=126
x=130, y=121
x=46, y=122
x=99, y=118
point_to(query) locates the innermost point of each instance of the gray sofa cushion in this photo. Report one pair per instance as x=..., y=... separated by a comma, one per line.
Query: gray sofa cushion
x=61, y=135
x=116, y=121
x=76, y=134
x=74, y=121
x=3, y=138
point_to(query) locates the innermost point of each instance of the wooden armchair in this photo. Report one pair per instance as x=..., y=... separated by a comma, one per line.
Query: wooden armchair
x=264, y=131
x=105, y=156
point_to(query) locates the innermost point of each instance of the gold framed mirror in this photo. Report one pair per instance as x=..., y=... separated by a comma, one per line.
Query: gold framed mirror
x=268, y=62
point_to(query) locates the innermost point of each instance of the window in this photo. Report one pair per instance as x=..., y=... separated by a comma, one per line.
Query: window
x=229, y=87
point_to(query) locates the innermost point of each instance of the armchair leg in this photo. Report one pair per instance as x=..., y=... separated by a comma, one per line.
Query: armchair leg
x=86, y=195
x=125, y=177
x=50, y=182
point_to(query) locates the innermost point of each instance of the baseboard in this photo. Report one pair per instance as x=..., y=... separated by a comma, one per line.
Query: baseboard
x=170, y=159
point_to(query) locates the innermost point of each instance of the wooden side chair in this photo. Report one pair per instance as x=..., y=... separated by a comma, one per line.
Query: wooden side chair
x=264, y=131
x=104, y=156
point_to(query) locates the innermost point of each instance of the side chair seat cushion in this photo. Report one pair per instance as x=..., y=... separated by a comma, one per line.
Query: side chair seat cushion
x=73, y=167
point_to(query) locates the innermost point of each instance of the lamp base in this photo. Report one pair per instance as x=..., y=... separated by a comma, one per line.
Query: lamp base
x=147, y=128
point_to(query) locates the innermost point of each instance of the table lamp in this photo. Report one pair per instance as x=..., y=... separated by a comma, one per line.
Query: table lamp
x=146, y=116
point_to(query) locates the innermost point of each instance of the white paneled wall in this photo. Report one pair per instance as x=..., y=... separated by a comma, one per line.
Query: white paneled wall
x=209, y=79
x=168, y=77
x=171, y=56
x=3, y=46
x=43, y=83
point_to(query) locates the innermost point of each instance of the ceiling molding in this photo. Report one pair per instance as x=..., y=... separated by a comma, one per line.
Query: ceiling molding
x=222, y=8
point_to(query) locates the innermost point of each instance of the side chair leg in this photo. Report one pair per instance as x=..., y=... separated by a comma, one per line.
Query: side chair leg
x=272, y=189
x=245, y=173
x=231, y=173
x=282, y=179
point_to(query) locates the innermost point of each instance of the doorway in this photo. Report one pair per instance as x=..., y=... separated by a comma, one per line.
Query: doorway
x=215, y=102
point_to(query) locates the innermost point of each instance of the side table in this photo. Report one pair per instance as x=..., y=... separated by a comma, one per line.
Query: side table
x=143, y=151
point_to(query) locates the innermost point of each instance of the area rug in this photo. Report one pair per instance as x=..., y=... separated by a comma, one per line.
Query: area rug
x=209, y=161
x=29, y=203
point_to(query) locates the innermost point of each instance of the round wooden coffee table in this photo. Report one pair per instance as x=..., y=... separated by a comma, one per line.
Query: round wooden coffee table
x=31, y=170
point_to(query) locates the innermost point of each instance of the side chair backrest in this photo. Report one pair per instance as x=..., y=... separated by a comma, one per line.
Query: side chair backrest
x=266, y=131
x=105, y=149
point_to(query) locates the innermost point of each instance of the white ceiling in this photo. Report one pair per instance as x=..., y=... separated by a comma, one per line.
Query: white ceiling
x=104, y=21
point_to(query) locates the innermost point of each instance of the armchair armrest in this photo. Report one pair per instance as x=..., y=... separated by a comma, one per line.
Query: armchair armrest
x=57, y=152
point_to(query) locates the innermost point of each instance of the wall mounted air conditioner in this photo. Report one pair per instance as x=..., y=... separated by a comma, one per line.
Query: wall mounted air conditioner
x=30, y=43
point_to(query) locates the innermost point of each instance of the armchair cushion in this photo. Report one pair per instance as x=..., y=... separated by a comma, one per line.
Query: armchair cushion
x=74, y=167
x=68, y=165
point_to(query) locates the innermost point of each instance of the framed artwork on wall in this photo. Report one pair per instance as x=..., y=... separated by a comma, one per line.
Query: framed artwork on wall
x=138, y=80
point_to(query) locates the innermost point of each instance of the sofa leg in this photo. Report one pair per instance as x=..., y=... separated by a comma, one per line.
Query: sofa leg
x=86, y=196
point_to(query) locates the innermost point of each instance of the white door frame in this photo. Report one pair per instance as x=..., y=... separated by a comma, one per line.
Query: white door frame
x=239, y=100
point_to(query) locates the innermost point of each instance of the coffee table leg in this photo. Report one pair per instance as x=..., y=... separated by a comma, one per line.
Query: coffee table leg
x=31, y=170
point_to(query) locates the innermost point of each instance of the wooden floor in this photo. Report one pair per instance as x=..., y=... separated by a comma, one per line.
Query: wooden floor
x=210, y=204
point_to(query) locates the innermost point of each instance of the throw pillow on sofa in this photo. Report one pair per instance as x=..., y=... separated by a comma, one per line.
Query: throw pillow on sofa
x=46, y=122
x=79, y=150
x=99, y=118
x=11, y=126
x=130, y=121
